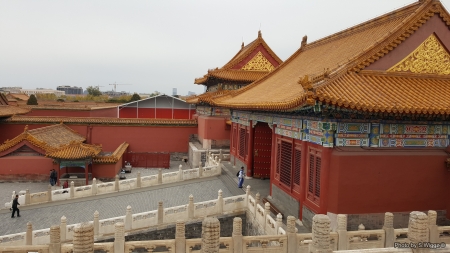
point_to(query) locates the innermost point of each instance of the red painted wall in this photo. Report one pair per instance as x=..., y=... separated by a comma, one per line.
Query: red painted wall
x=106, y=112
x=25, y=168
x=213, y=128
x=161, y=113
x=140, y=138
x=394, y=180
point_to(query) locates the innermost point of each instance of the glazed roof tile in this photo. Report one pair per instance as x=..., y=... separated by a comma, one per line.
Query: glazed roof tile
x=374, y=92
x=114, y=157
x=101, y=121
x=227, y=73
x=3, y=99
x=208, y=97
x=75, y=151
x=324, y=60
x=8, y=110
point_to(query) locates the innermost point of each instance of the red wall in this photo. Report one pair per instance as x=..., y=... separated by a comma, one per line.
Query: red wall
x=395, y=180
x=161, y=113
x=140, y=138
x=213, y=128
x=106, y=112
x=25, y=168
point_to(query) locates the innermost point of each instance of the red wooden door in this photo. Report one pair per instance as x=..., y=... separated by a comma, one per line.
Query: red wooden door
x=262, y=148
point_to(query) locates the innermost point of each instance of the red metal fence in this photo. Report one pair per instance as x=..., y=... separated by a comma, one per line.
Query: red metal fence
x=147, y=160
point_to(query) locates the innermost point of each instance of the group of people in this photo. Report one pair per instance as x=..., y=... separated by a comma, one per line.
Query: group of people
x=53, y=177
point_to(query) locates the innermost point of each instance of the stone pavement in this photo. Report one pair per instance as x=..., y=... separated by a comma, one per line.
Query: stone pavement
x=44, y=216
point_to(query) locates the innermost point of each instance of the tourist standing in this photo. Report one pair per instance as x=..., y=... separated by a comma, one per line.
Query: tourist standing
x=55, y=177
x=51, y=177
x=14, y=207
x=241, y=177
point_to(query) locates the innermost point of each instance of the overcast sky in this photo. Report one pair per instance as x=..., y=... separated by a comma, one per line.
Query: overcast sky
x=156, y=45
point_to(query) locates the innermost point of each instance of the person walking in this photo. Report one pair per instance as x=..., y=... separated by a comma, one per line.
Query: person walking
x=14, y=207
x=51, y=177
x=241, y=176
x=55, y=177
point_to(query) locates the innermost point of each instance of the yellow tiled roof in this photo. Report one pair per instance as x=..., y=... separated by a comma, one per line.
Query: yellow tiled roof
x=102, y=121
x=114, y=157
x=75, y=151
x=226, y=73
x=208, y=97
x=374, y=92
x=326, y=59
x=8, y=110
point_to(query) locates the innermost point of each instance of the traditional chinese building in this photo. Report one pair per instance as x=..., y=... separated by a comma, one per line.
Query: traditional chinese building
x=355, y=123
x=251, y=63
x=33, y=153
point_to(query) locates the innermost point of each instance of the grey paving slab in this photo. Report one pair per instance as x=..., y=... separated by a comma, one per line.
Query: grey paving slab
x=44, y=217
x=6, y=189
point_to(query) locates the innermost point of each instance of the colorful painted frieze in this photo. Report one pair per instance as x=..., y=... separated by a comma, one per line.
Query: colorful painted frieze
x=413, y=129
x=313, y=125
x=288, y=133
x=314, y=139
x=204, y=110
x=347, y=142
x=295, y=123
x=353, y=128
x=221, y=111
x=410, y=143
x=262, y=118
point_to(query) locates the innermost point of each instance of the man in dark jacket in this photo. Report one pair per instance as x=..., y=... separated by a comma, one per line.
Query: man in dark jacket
x=14, y=207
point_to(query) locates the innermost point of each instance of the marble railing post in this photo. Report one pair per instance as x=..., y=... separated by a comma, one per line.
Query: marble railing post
x=219, y=168
x=160, y=213
x=180, y=237
x=342, y=232
x=96, y=223
x=138, y=180
x=237, y=235
x=72, y=189
x=49, y=193
x=291, y=234
x=191, y=207
x=116, y=183
x=94, y=186
x=418, y=230
x=210, y=235
x=278, y=223
x=119, y=238
x=247, y=193
x=83, y=238
x=255, y=208
x=200, y=170
x=55, y=240
x=180, y=173
x=29, y=234
x=220, y=202
x=321, y=238
x=388, y=228
x=434, y=232
x=266, y=213
x=27, y=197
x=160, y=176
x=63, y=228
x=128, y=218
x=220, y=154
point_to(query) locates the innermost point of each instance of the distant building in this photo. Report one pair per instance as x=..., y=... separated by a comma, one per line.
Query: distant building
x=58, y=93
x=112, y=93
x=191, y=93
x=70, y=90
x=10, y=89
x=174, y=91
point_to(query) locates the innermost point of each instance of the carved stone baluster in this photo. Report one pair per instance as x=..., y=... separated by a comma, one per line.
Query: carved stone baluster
x=180, y=237
x=291, y=234
x=119, y=237
x=128, y=218
x=63, y=228
x=29, y=234
x=237, y=235
x=55, y=239
x=191, y=207
x=418, y=230
x=210, y=235
x=96, y=223
x=388, y=228
x=220, y=203
x=83, y=238
x=342, y=232
x=321, y=238
x=434, y=232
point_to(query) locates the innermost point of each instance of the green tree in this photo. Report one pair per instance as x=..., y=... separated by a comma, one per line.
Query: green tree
x=32, y=100
x=94, y=91
x=135, y=97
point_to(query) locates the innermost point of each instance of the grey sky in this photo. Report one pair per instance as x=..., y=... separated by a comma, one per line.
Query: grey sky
x=156, y=45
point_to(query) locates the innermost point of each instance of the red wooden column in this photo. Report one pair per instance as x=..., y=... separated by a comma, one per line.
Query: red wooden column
x=324, y=179
x=448, y=194
x=58, y=174
x=303, y=175
x=273, y=161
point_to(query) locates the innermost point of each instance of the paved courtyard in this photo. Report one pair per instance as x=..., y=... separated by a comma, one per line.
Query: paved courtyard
x=108, y=207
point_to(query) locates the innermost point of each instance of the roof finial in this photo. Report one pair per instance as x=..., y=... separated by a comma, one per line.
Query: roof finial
x=259, y=34
x=242, y=45
x=304, y=41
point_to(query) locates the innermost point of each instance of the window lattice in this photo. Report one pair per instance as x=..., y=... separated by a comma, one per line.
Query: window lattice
x=311, y=174
x=286, y=159
x=297, y=166
x=278, y=158
x=241, y=142
x=246, y=142
x=235, y=138
x=317, y=174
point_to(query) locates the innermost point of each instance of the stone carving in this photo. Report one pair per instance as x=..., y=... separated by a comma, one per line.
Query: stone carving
x=110, y=222
x=83, y=238
x=42, y=233
x=210, y=235
x=237, y=226
x=388, y=220
x=12, y=238
x=429, y=58
x=144, y=216
x=55, y=234
x=290, y=224
x=432, y=217
x=176, y=210
x=418, y=227
x=258, y=63
x=180, y=230
x=205, y=205
x=321, y=233
x=342, y=222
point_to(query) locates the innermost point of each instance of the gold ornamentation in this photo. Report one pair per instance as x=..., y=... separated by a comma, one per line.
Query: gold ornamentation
x=258, y=63
x=429, y=58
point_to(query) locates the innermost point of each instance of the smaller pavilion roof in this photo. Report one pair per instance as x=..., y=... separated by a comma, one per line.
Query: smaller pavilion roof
x=75, y=151
x=114, y=157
